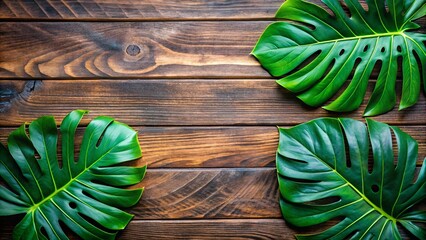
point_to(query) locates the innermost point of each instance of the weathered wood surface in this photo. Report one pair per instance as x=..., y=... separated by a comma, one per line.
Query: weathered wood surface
x=215, y=147
x=211, y=229
x=180, y=73
x=180, y=102
x=138, y=10
x=184, y=49
x=209, y=193
x=133, y=49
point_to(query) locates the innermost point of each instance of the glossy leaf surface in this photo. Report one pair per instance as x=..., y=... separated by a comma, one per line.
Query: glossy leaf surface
x=85, y=193
x=323, y=174
x=318, y=52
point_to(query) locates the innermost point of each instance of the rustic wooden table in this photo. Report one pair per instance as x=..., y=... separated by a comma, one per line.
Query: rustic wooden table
x=178, y=71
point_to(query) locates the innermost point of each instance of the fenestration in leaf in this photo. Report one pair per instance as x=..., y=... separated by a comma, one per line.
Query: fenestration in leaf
x=82, y=191
x=340, y=44
x=319, y=181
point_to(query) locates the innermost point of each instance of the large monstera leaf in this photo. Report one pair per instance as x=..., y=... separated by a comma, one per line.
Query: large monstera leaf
x=83, y=194
x=323, y=174
x=317, y=52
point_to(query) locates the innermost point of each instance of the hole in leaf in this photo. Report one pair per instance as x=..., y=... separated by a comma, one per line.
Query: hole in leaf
x=27, y=130
x=376, y=69
x=366, y=48
x=365, y=6
x=306, y=62
x=329, y=68
x=78, y=138
x=416, y=56
x=345, y=8
x=320, y=227
x=95, y=223
x=327, y=9
x=66, y=229
x=59, y=150
x=310, y=26
x=100, y=138
x=73, y=205
x=36, y=155
x=398, y=84
x=88, y=195
x=370, y=163
x=102, y=135
x=398, y=48
x=351, y=235
x=325, y=201
x=375, y=188
x=95, y=181
x=416, y=175
x=341, y=52
x=299, y=180
x=394, y=148
x=383, y=49
x=357, y=62
x=44, y=232
x=347, y=152
x=386, y=6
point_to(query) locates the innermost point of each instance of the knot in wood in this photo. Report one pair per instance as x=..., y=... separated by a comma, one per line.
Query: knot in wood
x=133, y=50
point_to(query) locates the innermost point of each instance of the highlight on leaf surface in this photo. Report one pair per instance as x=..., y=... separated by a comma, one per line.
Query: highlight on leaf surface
x=324, y=173
x=319, y=51
x=85, y=193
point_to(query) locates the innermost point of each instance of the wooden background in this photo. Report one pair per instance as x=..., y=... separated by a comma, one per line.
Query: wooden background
x=178, y=71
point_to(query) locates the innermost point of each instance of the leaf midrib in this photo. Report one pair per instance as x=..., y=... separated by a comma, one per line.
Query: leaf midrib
x=36, y=206
x=350, y=184
x=346, y=39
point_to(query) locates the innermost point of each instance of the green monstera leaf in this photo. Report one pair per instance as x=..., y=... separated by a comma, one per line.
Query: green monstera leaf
x=323, y=174
x=317, y=52
x=83, y=194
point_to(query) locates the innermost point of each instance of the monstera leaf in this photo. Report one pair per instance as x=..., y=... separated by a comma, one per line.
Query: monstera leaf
x=324, y=174
x=318, y=51
x=83, y=194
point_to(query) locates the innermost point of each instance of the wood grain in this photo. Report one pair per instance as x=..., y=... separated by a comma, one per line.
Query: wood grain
x=180, y=73
x=195, y=229
x=133, y=49
x=209, y=193
x=185, y=49
x=209, y=229
x=205, y=102
x=216, y=147
x=138, y=10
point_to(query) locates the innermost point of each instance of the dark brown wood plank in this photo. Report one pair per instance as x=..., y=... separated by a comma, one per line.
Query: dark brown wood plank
x=175, y=102
x=225, y=147
x=209, y=229
x=130, y=49
x=138, y=10
x=194, y=229
x=209, y=193
x=221, y=229
x=133, y=49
